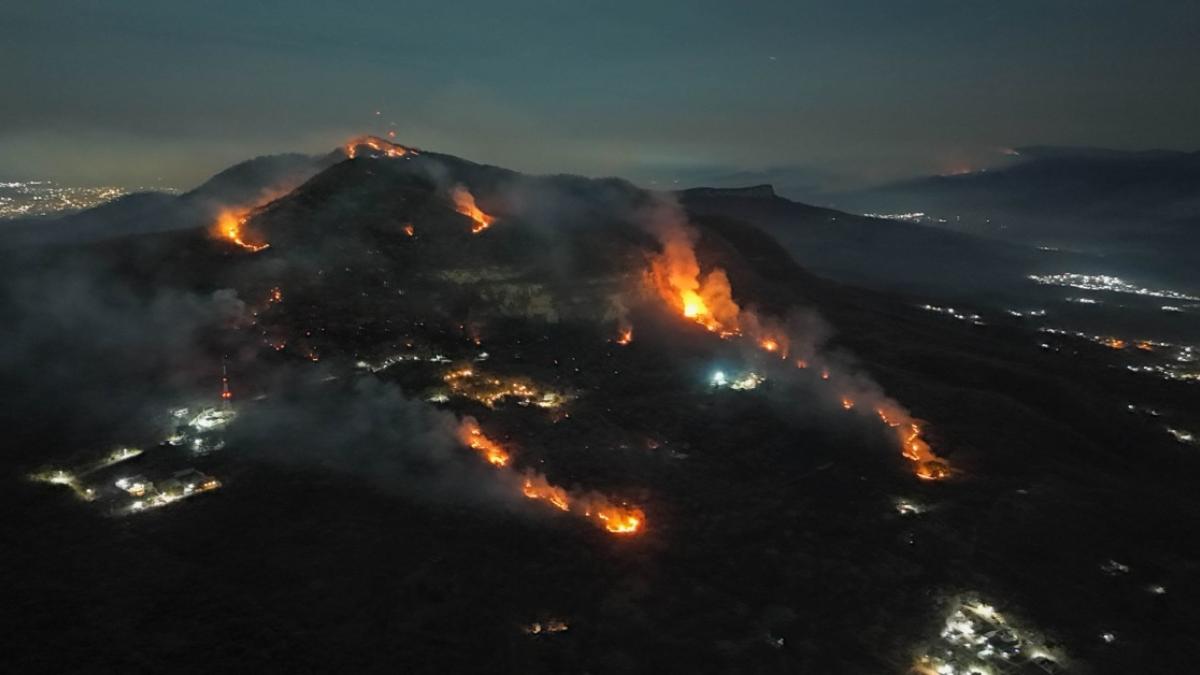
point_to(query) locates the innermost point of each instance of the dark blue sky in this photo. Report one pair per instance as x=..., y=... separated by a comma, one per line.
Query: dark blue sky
x=149, y=91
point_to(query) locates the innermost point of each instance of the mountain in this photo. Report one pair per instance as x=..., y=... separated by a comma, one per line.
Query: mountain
x=1141, y=208
x=464, y=419
x=252, y=181
x=881, y=253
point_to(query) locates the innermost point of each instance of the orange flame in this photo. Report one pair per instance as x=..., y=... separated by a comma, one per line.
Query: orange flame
x=625, y=336
x=928, y=466
x=409, y=230
x=464, y=203
x=229, y=227
x=612, y=517
x=537, y=487
x=473, y=437
x=1114, y=343
x=378, y=145
x=675, y=274
x=616, y=519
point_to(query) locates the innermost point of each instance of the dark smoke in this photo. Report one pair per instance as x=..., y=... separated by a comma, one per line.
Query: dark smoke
x=367, y=429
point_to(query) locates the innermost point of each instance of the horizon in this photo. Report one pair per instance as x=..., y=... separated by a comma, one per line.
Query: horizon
x=853, y=95
x=695, y=177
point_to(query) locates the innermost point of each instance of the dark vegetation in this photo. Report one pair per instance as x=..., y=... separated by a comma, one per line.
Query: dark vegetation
x=771, y=516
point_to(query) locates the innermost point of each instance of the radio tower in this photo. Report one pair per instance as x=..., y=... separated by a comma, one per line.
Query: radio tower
x=226, y=395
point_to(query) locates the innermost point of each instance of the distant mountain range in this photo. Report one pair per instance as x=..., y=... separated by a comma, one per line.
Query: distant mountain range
x=883, y=253
x=1142, y=208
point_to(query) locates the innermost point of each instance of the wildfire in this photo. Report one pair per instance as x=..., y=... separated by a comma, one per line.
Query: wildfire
x=229, y=227
x=675, y=274
x=473, y=437
x=409, y=230
x=380, y=146
x=928, y=466
x=464, y=203
x=615, y=518
x=537, y=487
x=625, y=337
x=612, y=517
x=1114, y=343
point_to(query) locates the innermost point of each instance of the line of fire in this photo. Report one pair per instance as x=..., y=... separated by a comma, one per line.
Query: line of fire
x=707, y=299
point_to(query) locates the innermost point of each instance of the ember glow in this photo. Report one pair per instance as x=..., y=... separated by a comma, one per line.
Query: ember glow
x=230, y=226
x=615, y=518
x=927, y=466
x=625, y=336
x=472, y=437
x=378, y=146
x=537, y=487
x=464, y=203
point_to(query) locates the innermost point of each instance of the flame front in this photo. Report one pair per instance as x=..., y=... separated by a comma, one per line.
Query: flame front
x=464, y=203
x=927, y=465
x=618, y=519
x=229, y=227
x=472, y=437
x=537, y=487
x=708, y=300
x=378, y=145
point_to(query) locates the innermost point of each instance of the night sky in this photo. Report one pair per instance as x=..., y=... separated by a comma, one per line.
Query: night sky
x=146, y=92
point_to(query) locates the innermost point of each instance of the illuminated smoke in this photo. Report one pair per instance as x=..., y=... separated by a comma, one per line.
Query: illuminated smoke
x=230, y=226
x=675, y=274
x=464, y=203
x=676, y=277
x=472, y=437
